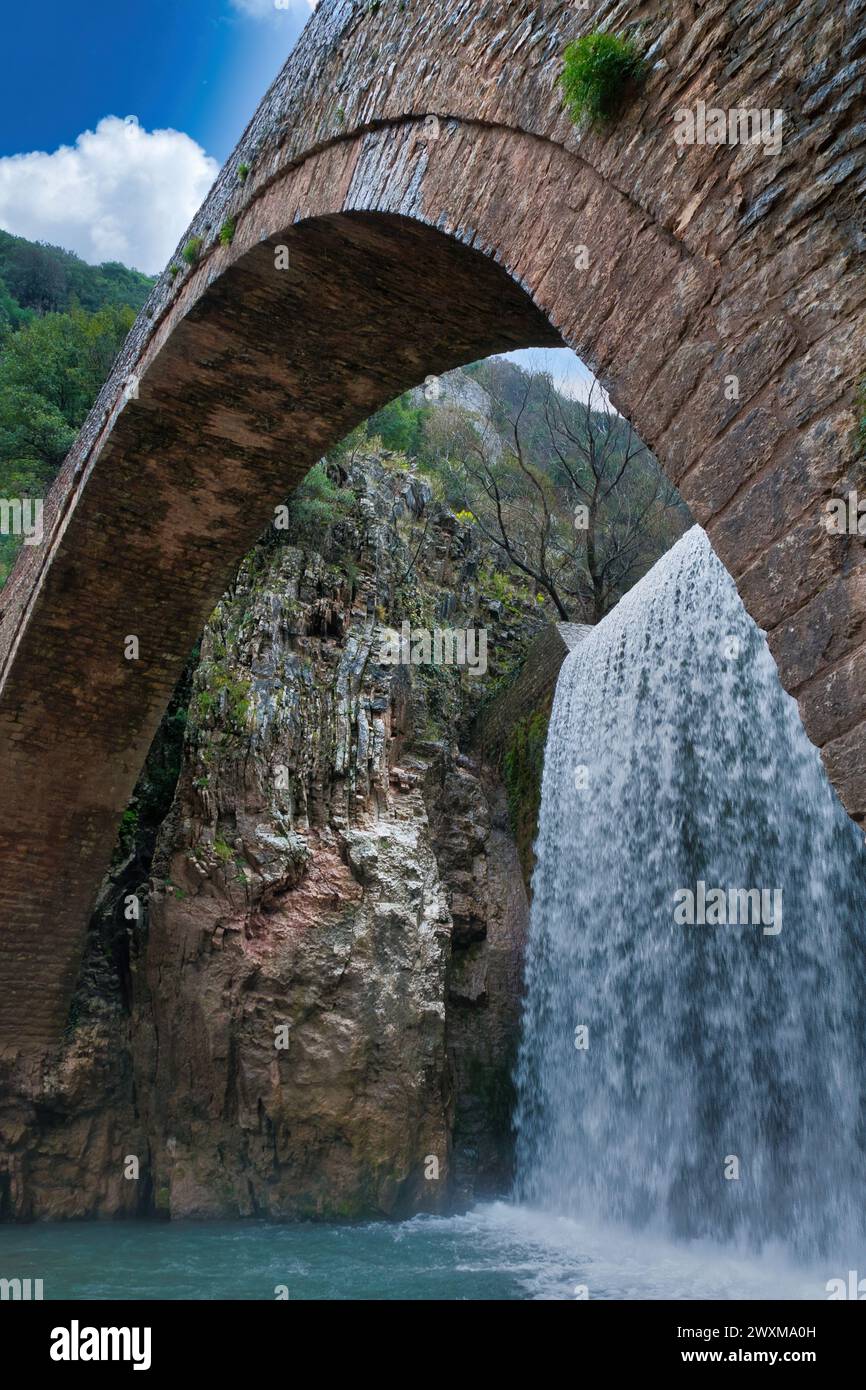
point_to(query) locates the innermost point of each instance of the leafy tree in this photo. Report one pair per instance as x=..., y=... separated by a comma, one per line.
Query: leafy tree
x=315, y=505
x=36, y=279
x=47, y=279
x=12, y=315
x=400, y=426
x=51, y=369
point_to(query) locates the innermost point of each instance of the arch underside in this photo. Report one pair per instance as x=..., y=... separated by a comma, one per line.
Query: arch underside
x=268, y=370
x=410, y=255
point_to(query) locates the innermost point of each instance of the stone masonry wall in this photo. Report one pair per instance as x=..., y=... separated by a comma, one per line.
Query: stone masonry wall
x=416, y=163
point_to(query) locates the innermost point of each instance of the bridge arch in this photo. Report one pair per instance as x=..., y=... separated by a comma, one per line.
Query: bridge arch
x=435, y=216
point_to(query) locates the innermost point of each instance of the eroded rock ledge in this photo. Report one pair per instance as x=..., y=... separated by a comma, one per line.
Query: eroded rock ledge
x=337, y=874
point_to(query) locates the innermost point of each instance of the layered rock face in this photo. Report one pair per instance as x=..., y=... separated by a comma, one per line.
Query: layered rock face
x=315, y=1012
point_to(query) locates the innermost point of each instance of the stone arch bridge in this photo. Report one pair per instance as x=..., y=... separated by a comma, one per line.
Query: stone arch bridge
x=414, y=160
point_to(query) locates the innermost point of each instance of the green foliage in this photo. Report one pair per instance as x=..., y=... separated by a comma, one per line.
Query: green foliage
x=12, y=314
x=495, y=584
x=400, y=426
x=600, y=71
x=51, y=370
x=192, y=250
x=128, y=829
x=224, y=694
x=316, y=504
x=522, y=770
x=174, y=270
x=46, y=279
x=223, y=851
x=243, y=171
x=227, y=232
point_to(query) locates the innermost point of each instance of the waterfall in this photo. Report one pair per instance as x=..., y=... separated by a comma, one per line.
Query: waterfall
x=704, y=1077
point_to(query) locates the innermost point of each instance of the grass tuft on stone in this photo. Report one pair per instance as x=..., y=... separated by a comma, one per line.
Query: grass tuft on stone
x=192, y=250
x=601, y=71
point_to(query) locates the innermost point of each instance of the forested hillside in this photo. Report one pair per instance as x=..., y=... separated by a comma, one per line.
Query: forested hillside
x=45, y=279
x=62, y=323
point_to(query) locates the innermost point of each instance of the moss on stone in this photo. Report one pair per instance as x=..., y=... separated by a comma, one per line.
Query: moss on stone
x=599, y=73
x=223, y=693
x=522, y=770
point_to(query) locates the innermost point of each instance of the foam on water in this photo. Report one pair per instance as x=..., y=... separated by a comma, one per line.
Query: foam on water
x=705, y=1042
x=496, y=1251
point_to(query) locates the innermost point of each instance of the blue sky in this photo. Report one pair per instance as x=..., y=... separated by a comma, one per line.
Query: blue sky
x=115, y=117
x=198, y=66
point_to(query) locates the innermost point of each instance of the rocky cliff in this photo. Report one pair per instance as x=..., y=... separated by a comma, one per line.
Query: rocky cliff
x=301, y=992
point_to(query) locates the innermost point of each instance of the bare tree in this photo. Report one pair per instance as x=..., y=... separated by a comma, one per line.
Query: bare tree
x=576, y=502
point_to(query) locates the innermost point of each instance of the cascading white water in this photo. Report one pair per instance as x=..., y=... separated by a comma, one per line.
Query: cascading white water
x=675, y=758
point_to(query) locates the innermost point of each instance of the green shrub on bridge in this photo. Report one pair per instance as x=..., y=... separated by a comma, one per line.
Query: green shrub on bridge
x=192, y=250
x=600, y=71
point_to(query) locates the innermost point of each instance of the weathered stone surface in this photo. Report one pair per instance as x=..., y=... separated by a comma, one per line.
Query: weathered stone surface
x=532, y=691
x=333, y=866
x=416, y=162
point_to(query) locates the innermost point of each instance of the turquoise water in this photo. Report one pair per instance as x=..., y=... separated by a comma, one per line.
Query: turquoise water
x=496, y=1251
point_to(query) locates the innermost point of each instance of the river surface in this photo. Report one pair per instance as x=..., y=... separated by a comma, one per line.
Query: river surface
x=496, y=1251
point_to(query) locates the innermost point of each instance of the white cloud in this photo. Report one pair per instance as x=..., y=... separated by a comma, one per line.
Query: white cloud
x=120, y=193
x=264, y=9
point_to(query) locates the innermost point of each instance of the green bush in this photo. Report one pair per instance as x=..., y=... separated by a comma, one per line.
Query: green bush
x=400, y=426
x=316, y=504
x=600, y=71
x=192, y=250
x=128, y=830
x=227, y=232
x=235, y=706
